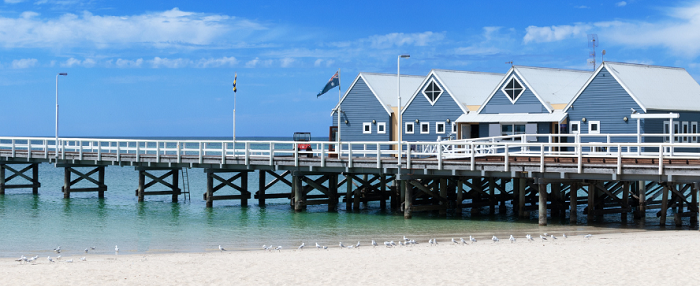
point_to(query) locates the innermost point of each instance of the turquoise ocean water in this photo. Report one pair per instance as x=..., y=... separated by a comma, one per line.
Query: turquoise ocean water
x=36, y=224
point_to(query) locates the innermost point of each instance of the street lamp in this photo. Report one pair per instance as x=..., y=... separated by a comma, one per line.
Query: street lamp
x=56, y=142
x=398, y=118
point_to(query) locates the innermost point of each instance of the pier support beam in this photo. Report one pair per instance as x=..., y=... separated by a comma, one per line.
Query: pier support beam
x=664, y=204
x=573, y=203
x=298, y=191
x=99, y=184
x=642, y=195
x=408, y=202
x=333, y=193
x=33, y=180
x=348, y=192
x=591, y=202
x=542, y=186
x=625, y=201
x=242, y=187
x=263, y=186
x=522, y=185
x=443, y=196
x=173, y=186
x=460, y=194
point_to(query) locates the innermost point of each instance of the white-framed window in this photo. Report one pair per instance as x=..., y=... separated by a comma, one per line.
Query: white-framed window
x=512, y=129
x=381, y=128
x=575, y=127
x=686, y=130
x=424, y=128
x=432, y=92
x=667, y=130
x=454, y=127
x=594, y=127
x=409, y=128
x=367, y=128
x=694, y=130
x=676, y=130
x=513, y=89
x=440, y=127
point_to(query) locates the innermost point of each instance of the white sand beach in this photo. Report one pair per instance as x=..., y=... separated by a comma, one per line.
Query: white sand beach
x=633, y=258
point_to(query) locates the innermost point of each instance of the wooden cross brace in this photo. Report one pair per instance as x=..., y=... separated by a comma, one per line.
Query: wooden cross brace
x=228, y=182
x=160, y=179
x=19, y=173
x=316, y=184
x=426, y=190
x=84, y=176
x=278, y=178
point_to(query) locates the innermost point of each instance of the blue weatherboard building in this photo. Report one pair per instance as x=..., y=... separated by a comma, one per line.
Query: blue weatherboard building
x=369, y=106
x=441, y=98
x=527, y=100
x=615, y=91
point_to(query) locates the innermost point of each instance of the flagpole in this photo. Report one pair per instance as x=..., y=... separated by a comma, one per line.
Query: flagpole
x=234, y=114
x=339, y=114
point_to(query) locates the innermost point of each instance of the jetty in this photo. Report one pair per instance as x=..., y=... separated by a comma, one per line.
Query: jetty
x=530, y=173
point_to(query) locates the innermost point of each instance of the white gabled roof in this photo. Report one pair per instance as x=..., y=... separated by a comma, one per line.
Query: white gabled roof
x=383, y=86
x=550, y=85
x=466, y=87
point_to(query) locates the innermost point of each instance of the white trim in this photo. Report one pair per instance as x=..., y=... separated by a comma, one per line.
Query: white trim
x=381, y=124
x=364, y=128
x=454, y=128
x=413, y=128
x=590, y=123
x=523, y=82
x=685, y=129
x=503, y=89
x=600, y=68
x=505, y=77
x=676, y=131
x=694, y=130
x=578, y=127
x=421, y=127
x=534, y=91
x=437, y=130
x=666, y=130
x=432, y=80
x=444, y=86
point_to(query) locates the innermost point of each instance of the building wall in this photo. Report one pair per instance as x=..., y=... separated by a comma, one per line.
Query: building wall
x=362, y=106
x=526, y=103
x=605, y=100
x=655, y=126
x=444, y=108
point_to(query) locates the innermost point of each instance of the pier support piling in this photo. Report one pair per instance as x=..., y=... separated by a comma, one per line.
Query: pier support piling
x=664, y=204
x=33, y=180
x=172, y=186
x=68, y=183
x=573, y=203
x=242, y=187
x=522, y=185
x=542, y=186
x=408, y=202
x=625, y=201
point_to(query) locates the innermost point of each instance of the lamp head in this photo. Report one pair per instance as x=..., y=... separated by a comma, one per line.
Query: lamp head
x=405, y=56
x=63, y=73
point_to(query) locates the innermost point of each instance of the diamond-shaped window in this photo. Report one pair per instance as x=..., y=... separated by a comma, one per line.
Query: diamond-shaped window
x=513, y=89
x=432, y=92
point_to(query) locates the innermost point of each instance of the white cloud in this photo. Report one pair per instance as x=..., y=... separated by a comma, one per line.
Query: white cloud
x=73, y=62
x=121, y=63
x=158, y=62
x=621, y=4
x=24, y=63
x=13, y=1
x=213, y=63
x=286, y=62
x=401, y=39
x=318, y=62
x=161, y=29
x=677, y=33
x=582, y=7
x=490, y=43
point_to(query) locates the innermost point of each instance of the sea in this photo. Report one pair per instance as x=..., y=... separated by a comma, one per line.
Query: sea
x=36, y=224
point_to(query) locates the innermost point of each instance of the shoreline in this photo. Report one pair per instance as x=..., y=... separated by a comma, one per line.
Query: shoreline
x=608, y=258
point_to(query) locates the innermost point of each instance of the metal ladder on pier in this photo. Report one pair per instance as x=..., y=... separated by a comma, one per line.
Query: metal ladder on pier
x=185, y=184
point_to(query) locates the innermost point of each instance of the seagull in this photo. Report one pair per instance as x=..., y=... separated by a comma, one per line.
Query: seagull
x=462, y=241
x=392, y=243
x=564, y=235
x=401, y=243
x=57, y=249
x=543, y=238
x=21, y=259
x=405, y=239
x=86, y=250
x=387, y=244
x=301, y=247
x=92, y=248
x=325, y=247
x=374, y=243
x=512, y=239
x=278, y=248
x=430, y=241
x=529, y=238
x=545, y=234
x=435, y=241
x=588, y=236
x=31, y=259
x=472, y=239
x=495, y=239
x=116, y=248
x=454, y=241
x=357, y=245
x=350, y=247
x=341, y=245
x=220, y=248
x=69, y=261
x=413, y=241
x=58, y=257
x=50, y=260
x=553, y=237
x=318, y=246
x=83, y=258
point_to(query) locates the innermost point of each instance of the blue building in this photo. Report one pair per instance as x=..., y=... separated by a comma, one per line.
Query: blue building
x=527, y=100
x=369, y=106
x=441, y=98
x=615, y=91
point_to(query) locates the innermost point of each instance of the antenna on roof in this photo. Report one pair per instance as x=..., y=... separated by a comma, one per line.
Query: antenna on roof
x=592, y=44
x=602, y=60
x=510, y=62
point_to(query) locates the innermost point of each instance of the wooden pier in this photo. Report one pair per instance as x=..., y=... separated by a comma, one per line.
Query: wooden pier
x=445, y=177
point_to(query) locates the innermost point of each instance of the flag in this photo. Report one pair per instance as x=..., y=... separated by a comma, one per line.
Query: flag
x=333, y=82
x=234, y=82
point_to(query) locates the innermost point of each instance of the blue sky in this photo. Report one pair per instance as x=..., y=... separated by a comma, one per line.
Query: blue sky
x=165, y=68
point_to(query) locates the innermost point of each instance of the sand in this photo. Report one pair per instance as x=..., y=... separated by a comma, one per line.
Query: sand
x=635, y=258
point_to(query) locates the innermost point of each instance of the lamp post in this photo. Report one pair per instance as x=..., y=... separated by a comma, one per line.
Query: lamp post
x=56, y=142
x=398, y=117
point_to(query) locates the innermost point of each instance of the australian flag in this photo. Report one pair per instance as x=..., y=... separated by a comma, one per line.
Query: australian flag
x=333, y=82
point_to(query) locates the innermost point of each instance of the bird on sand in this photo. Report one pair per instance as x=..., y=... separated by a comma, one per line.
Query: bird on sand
x=69, y=261
x=462, y=241
x=543, y=237
x=512, y=239
x=301, y=247
x=325, y=247
x=278, y=248
x=564, y=235
x=318, y=246
x=116, y=249
x=374, y=243
x=341, y=245
x=553, y=237
x=454, y=241
x=472, y=239
x=387, y=244
x=430, y=241
x=222, y=249
x=588, y=236
x=83, y=258
x=49, y=259
x=92, y=248
x=392, y=243
x=495, y=239
x=357, y=245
